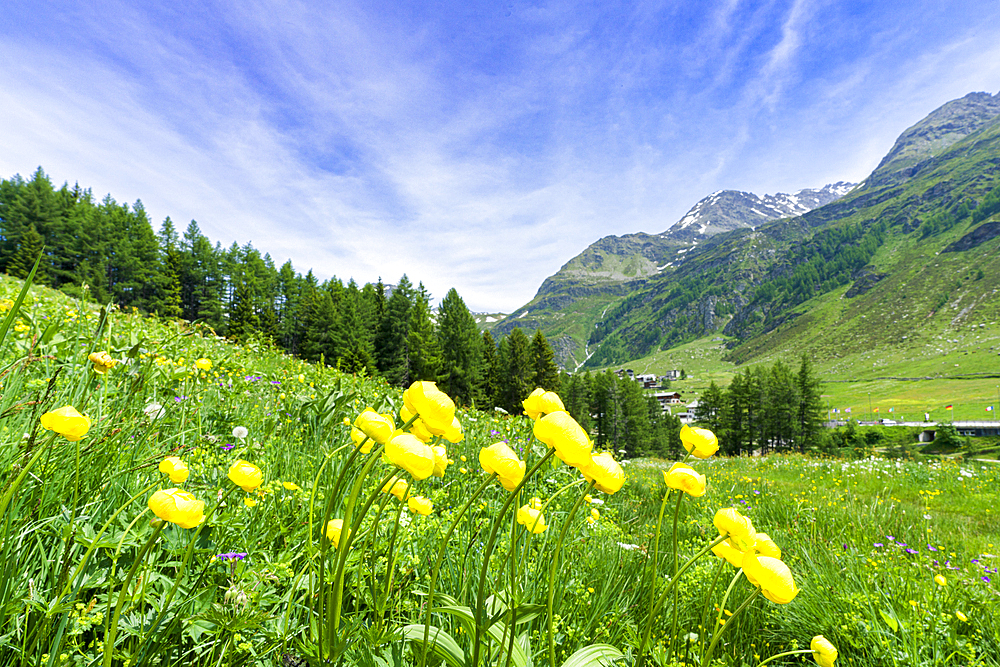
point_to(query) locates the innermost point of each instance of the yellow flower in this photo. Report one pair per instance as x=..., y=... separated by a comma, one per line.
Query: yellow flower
x=686, y=479
x=823, y=651
x=249, y=502
x=377, y=427
x=737, y=527
x=531, y=519
x=175, y=469
x=291, y=486
x=560, y=431
x=535, y=503
x=434, y=406
x=605, y=471
x=245, y=475
x=396, y=487
x=541, y=402
x=454, y=434
x=962, y=617
x=420, y=505
x=500, y=459
x=440, y=460
x=701, y=442
x=730, y=553
x=417, y=428
x=334, y=528
x=940, y=580
x=67, y=422
x=203, y=364
x=177, y=506
x=6, y=305
x=102, y=362
x=765, y=546
x=771, y=576
x=407, y=452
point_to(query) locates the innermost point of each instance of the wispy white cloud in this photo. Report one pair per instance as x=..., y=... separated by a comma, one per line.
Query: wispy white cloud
x=477, y=146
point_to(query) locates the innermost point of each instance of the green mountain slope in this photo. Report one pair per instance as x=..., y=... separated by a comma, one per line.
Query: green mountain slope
x=900, y=261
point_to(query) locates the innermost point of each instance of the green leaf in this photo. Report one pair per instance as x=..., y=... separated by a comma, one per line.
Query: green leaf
x=595, y=655
x=889, y=620
x=441, y=643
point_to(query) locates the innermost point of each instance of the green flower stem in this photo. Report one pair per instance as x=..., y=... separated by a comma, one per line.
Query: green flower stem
x=109, y=639
x=146, y=642
x=552, y=570
x=511, y=599
x=338, y=582
x=718, y=635
x=440, y=559
x=708, y=598
x=673, y=625
x=786, y=653
x=652, y=580
x=481, y=589
x=673, y=582
x=725, y=599
x=391, y=554
x=336, y=486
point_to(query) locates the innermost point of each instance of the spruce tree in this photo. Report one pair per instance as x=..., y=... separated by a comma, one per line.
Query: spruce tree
x=519, y=371
x=810, y=407
x=425, y=353
x=461, y=348
x=392, y=342
x=29, y=247
x=488, y=388
x=546, y=373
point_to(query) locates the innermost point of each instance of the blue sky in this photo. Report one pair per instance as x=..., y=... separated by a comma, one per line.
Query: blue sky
x=475, y=145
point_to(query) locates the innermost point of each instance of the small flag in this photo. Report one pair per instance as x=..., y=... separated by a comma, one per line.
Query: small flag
x=847, y=410
x=892, y=409
x=989, y=408
x=876, y=410
x=948, y=407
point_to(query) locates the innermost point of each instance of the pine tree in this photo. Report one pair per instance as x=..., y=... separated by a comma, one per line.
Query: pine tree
x=392, y=342
x=243, y=320
x=810, y=407
x=29, y=247
x=516, y=355
x=488, y=388
x=425, y=353
x=546, y=373
x=461, y=348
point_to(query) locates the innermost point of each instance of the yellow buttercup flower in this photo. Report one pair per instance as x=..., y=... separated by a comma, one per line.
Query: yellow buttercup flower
x=177, y=506
x=175, y=469
x=396, y=487
x=500, y=459
x=765, y=546
x=406, y=451
x=334, y=528
x=420, y=505
x=418, y=428
x=962, y=617
x=249, y=502
x=541, y=402
x=737, y=527
x=560, y=431
x=67, y=422
x=605, y=472
x=454, y=434
x=536, y=503
x=102, y=362
x=771, y=576
x=377, y=427
x=686, y=479
x=940, y=580
x=440, y=460
x=291, y=486
x=824, y=652
x=730, y=553
x=531, y=519
x=203, y=364
x=5, y=305
x=433, y=406
x=701, y=442
x=245, y=475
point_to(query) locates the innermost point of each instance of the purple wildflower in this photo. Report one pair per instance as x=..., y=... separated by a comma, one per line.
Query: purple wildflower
x=879, y=545
x=986, y=579
x=232, y=555
x=227, y=446
x=911, y=551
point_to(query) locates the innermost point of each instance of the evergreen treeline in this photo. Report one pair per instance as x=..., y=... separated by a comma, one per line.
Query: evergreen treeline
x=765, y=409
x=111, y=248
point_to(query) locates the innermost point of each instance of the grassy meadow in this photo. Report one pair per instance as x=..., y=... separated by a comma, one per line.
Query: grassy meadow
x=89, y=576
